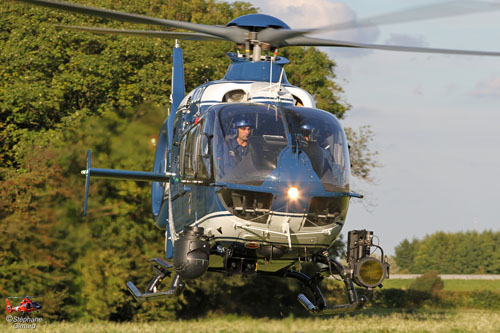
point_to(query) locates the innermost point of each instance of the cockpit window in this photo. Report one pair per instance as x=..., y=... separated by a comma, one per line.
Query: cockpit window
x=319, y=134
x=248, y=139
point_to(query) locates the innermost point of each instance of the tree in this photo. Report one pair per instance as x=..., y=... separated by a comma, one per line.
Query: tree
x=363, y=160
x=451, y=253
x=405, y=255
x=58, y=72
x=315, y=73
x=429, y=282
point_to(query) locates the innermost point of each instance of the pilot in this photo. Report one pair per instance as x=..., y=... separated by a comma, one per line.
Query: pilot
x=316, y=153
x=312, y=136
x=308, y=132
x=238, y=146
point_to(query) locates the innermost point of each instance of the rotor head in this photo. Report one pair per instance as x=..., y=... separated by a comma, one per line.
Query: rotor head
x=258, y=22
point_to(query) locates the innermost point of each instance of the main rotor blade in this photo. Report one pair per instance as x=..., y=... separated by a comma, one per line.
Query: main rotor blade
x=233, y=34
x=276, y=36
x=427, y=12
x=310, y=41
x=146, y=33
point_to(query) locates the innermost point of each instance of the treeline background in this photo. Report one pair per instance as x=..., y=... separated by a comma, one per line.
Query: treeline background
x=63, y=92
x=467, y=252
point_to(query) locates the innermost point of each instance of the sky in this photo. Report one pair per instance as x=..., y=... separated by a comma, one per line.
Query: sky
x=436, y=118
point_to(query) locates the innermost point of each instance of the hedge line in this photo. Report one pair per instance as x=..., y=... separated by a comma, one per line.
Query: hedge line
x=425, y=292
x=411, y=299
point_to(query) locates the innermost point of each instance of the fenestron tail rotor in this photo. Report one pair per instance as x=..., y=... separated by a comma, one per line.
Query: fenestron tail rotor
x=257, y=31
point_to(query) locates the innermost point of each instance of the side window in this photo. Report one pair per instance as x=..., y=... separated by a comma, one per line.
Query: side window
x=176, y=143
x=182, y=154
x=195, y=151
x=195, y=105
x=203, y=153
x=189, y=149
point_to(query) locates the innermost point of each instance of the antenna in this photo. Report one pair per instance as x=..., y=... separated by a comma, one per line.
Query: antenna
x=270, y=75
x=279, y=83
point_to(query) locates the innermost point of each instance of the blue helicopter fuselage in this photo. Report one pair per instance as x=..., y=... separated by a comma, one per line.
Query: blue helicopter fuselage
x=247, y=202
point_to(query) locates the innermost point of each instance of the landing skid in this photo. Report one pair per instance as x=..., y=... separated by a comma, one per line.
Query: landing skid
x=319, y=306
x=162, y=269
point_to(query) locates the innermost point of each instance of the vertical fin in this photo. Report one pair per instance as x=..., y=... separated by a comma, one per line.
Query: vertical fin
x=178, y=87
x=178, y=93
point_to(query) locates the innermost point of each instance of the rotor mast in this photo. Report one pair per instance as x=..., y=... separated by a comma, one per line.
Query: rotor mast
x=259, y=34
x=254, y=48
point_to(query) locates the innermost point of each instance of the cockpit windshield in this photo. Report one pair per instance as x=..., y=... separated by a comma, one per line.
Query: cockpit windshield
x=319, y=134
x=248, y=139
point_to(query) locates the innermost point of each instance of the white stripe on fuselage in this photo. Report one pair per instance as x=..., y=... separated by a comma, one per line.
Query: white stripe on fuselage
x=283, y=228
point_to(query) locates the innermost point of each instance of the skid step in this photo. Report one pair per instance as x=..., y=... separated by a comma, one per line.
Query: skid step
x=162, y=269
x=151, y=296
x=160, y=263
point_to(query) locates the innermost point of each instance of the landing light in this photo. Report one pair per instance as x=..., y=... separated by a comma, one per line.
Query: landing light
x=293, y=193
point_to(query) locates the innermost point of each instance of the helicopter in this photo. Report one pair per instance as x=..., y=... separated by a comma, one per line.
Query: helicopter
x=249, y=177
x=26, y=305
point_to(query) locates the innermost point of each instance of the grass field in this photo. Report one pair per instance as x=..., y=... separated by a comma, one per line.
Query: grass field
x=422, y=321
x=452, y=285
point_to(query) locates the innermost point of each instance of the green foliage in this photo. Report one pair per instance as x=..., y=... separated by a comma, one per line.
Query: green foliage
x=447, y=299
x=427, y=293
x=429, y=282
x=77, y=266
x=451, y=253
x=362, y=158
x=405, y=253
x=449, y=285
x=57, y=72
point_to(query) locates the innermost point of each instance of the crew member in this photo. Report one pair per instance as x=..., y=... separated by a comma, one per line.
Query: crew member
x=238, y=146
x=317, y=155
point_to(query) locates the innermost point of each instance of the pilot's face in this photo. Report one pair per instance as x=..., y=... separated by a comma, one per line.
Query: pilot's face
x=244, y=133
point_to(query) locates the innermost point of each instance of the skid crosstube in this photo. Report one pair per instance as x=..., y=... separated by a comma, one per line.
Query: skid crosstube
x=162, y=269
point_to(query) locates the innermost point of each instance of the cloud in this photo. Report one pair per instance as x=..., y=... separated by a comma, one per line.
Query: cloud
x=418, y=90
x=489, y=87
x=300, y=14
x=451, y=89
x=305, y=13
